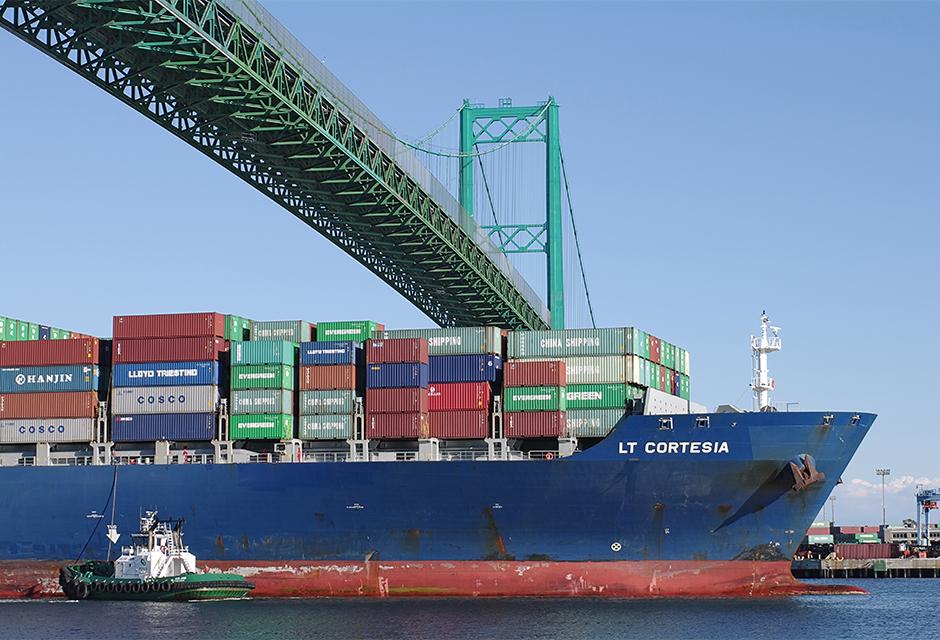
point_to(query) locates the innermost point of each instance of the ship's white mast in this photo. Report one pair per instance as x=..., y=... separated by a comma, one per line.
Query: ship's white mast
x=762, y=383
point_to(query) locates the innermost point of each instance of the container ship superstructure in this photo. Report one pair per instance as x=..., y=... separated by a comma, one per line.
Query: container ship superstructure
x=345, y=459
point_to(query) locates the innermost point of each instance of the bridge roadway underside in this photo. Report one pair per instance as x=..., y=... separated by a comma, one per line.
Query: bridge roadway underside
x=198, y=71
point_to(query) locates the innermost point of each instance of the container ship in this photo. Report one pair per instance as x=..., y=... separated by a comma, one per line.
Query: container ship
x=347, y=459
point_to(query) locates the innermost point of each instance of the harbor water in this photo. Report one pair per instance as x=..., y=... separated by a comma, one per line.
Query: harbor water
x=894, y=609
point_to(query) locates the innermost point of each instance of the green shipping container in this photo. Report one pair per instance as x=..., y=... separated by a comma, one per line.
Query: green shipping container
x=820, y=539
x=22, y=330
x=685, y=391
x=452, y=341
x=567, y=343
x=263, y=376
x=638, y=342
x=255, y=401
x=593, y=423
x=3, y=328
x=600, y=396
x=668, y=355
x=12, y=330
x=264, y=352
x=55, y=334
x=356, y=330
x=261, y=427
x=33, y=331
x=326, y=427
x=336, y=402
x=868, y=537
x=237, y=328
x=652, y=371
x=534, y=399
x=293, y=330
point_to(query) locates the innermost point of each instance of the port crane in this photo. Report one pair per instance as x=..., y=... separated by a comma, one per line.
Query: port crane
x=927, y=500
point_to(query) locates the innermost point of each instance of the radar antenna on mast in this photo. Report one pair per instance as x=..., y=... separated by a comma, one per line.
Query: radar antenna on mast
x=761, y=345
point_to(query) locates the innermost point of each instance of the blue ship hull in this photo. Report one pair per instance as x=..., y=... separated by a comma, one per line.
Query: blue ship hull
x=706, y=495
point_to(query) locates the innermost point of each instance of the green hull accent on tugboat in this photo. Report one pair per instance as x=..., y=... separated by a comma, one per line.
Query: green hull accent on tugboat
x=95, y=581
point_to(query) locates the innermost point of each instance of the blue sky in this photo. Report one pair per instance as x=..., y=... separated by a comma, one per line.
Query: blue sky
x=724, y=158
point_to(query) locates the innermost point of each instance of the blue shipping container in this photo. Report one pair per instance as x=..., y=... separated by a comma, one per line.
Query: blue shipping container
x=165, y=374
x=183, y=427
x=380, y=376
x=327, y=353
x=475, y=368
x=82, y=377
x=45, y=333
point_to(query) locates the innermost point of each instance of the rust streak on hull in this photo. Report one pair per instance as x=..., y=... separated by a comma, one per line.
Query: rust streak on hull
x=641, y=579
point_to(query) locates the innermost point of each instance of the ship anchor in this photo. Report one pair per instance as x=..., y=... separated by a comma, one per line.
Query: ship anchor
x=807, y=474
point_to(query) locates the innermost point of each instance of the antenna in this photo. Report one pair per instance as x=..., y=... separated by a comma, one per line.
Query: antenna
x=762, y=383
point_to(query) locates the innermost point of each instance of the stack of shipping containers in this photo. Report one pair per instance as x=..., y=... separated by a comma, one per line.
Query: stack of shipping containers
x=166, y=376
x=464, y=367
x=12, y=330
x=606, y=370
x=397, y=375
x=534, y=401
x=328, y=383
x=263, y=380
x=48, y=390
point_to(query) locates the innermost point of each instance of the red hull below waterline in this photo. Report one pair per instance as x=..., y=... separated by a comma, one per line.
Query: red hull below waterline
x=641, y=579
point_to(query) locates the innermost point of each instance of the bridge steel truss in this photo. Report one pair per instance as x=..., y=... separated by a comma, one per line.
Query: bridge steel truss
x=199, y=71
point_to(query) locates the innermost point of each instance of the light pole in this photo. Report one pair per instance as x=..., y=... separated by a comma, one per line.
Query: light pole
x=883, y=473
x=832, y=507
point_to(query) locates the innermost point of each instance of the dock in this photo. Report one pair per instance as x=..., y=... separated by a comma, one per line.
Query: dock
x=868, y=568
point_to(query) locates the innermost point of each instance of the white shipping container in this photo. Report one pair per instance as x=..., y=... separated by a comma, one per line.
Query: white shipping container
x=181, y=399
x=47, y=430
x=262, y=401
x=592, y=369
x=637, y=370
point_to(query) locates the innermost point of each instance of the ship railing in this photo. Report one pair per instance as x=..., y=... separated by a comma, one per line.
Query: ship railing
x=261, y=457
x=549, y=454
x=325, y=456
x=70, y=461
x=129, y=460
x=26, y=461
x=191, y=458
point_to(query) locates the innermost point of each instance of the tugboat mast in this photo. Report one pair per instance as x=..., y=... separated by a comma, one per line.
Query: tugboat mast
x=761, y=345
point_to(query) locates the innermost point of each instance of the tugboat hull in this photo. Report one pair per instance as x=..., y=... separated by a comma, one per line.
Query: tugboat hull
x=96, y=581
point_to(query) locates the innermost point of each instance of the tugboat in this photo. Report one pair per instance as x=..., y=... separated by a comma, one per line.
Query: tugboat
x=156, y=567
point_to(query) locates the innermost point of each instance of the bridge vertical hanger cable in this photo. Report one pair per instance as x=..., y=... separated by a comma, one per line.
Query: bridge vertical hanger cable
x=577, y=243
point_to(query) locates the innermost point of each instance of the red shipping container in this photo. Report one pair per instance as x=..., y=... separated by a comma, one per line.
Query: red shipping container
x=870, y=529
x=655, y=349
x=167, y=349
x=397, y=350
x=170, y=325
x=866, y=551
x=463, y=425
x=71, y=404
x=397, y=426
x=547, y=373
x=328, y=377
x=459, y=396
x=850, y=530
x=404, y=400
x=818, y=531
x=41, y=353
x=535, y=424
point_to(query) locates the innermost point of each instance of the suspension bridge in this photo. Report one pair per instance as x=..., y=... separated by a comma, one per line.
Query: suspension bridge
x=452, y=229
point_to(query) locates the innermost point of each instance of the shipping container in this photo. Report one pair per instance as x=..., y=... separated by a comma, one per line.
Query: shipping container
x=398, y=350
x=667, y=354
x=67, y=404
x=167, y=349
x=827, y=539
x=652, y=370
x=395, y=400
x=33, y=333
x=638, y=342
x=237, y=328
x=637, y=370
x=453, y=341
x=170, y=325
x=330, y=353
x=44, y=353
x=3, y=328
x=11, y=332
x=326, y=427
x=171, y=374
x=261, y=427
x=181, y=399
x=592, y=369
x=355, y=330
x=44, y=332
x=330, y=402
x=467, y=368
x=535, y=424
x=290, y=330
x=818, y=531
x=262, y=376
x=180, y=427
x=396, y=426
x=396, y=375
x=262, y=401
x=76, y=377
x=871, y=551
x=22, y=331
x=664, y=379
x=459, y=425
x=601, y=396
x=871, y=529
x=30, y=431
x=325, y=378
x=459, y=396
x=684, y=387
x=593, y=423
x=655, y=349
x=848, y=530
x=534, y=399
x=567, y=343
x=264, y=352
x=541, y=373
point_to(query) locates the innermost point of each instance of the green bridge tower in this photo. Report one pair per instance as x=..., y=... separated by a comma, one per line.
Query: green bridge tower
x=507, y=124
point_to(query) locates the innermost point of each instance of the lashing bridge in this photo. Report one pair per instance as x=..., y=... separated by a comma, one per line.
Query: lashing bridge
x=224, y=76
